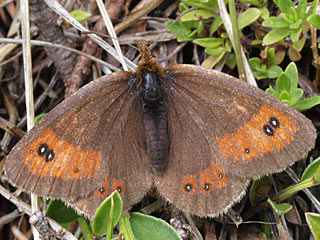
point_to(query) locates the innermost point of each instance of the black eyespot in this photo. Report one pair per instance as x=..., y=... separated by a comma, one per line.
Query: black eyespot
x=76, y=170
x=119, y=189
x=220, y=175
x=102, y=190
x=268, y=130
x=188, y=187
x=274, y=122
x=42, y=150
x=247, y=150
x=207, y=186
x=49, y=156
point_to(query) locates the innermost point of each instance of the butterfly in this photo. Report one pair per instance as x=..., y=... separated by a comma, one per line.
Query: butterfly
x=197, y=135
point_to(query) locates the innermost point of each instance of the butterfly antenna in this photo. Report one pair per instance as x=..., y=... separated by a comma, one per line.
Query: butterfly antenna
x=145, y=53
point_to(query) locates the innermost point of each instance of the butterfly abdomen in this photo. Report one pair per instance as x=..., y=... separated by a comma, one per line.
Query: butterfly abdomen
x=155, y=120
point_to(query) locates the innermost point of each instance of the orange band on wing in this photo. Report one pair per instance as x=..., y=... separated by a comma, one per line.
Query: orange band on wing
x=189, y=184
x=227, y=147
x=206, y=181
x=220, y=176
x=32, y=150
x=282, y=132
x=258, y=136
x=118, y=184
x=49, y=155
x=103, y=189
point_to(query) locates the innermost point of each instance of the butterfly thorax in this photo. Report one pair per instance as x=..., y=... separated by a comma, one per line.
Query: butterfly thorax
x=155, y=114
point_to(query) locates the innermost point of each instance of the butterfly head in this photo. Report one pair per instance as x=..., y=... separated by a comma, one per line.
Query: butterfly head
x=150, y=73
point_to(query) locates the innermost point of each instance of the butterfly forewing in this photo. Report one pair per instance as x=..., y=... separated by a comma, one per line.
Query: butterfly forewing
x=248, y=132
x=65, y=156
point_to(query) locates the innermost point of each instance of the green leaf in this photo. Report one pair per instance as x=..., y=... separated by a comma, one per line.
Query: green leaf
x=183, y=7
x=312, y=9
x=85, y=228
x=80, y=16
x=301, y=9
x=197, y=14
x=109, y=209
x=253, y=2
x=307, y=103
x=283, y=83
x=290, y=19
x=231, y=61
x=275, y=22
x=272, y=92
x=248, y=17
x=264, y=13
x=211, y=61
x=311, y=170
x=193, y=34
x=207, y=4
x=151, y=228
x=285, y=97
x=39, y=117
x=255, y=62
x=276, y=35
x=260, y=71
x=183, y=29
x=214, y=51
x=293, y=189
x=217, y=22
x=270, y=55
x=125, y=228
x=314, y=20
x=256, y=42
x=292, y=75
x=59, y=212
x=266, y=228
x=298, y=45
x=259, y=189
x=295, y=95
x=209, y=42
x=313, y=220
x=285, y=5
x=274, y=71
x=200, y=28
x=296, y=24
x=295, y=34
x=280, y=208
x=294, y=14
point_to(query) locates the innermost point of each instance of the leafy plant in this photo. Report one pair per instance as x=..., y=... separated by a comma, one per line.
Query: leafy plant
x=108, y=215
x=287, y=90
x=290, y=22
x=265, y=68
x=191, y=27
x=80, y=15
x=313, y=220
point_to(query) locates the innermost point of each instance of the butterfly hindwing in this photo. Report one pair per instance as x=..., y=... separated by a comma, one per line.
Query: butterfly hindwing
x=128, y=169
x=193, y=180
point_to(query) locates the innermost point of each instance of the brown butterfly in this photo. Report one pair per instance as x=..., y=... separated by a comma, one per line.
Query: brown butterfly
x=197, y=135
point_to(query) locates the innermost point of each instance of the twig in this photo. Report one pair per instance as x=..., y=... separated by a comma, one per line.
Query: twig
x=55, y=6
x=27, y=67
x=26, y=208
x=48, y=44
